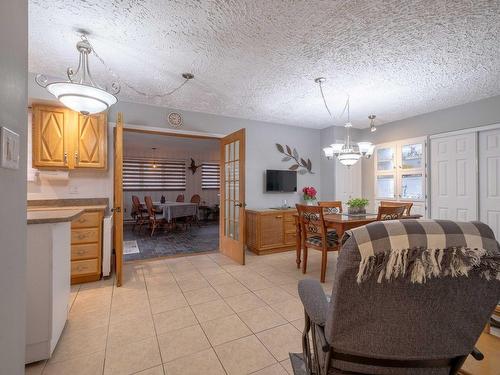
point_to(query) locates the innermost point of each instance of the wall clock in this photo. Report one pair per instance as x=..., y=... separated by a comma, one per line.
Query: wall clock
x=175, y=119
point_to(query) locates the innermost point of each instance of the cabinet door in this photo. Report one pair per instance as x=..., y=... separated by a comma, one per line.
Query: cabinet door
x=50, y=136
x=91, y=141
x=385, y=186
x=411, y=155
x=271, y=230
x=385, y=160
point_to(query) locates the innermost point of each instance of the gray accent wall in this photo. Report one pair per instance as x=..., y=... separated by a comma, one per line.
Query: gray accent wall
x=471, y=115
x=13, y=115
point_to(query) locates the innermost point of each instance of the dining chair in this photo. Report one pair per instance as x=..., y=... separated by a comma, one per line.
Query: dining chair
x=197, y=200
x=390, y=212
x=154, y=222
x=180, y=198
x=331, y=208
x=139, y=212
x=408, y=205
x=315, y=235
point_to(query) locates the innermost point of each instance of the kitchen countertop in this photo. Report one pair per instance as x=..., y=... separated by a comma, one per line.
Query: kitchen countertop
x=64, y=208
x=40, y=216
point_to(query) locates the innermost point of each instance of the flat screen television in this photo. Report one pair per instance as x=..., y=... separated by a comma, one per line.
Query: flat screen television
x=281, y=181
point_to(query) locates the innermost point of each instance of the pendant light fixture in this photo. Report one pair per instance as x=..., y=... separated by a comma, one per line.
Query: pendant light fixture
x=80, y=93
x=347, y=153
x=154, y=159
x=372, y=123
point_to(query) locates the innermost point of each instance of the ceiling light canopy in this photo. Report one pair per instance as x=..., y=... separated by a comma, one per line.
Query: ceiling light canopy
x=80, y=93
x=347, y=153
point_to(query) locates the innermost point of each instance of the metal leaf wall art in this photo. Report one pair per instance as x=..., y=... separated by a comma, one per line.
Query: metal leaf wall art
x=300, y=165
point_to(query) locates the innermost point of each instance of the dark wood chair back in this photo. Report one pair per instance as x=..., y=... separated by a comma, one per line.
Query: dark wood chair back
x=195, y=199
x=408, y=205
x=312, y=222
x=390, y=212
x=331, y=208
x=180, y=198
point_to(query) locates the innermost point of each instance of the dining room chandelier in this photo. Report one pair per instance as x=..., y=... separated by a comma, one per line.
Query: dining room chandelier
x=81, y=93
x=347, y=153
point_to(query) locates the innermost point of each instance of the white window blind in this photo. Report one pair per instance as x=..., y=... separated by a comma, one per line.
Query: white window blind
x=210, y=176
x=141, y=174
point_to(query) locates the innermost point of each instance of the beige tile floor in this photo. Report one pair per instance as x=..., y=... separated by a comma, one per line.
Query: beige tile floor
x=202, y=314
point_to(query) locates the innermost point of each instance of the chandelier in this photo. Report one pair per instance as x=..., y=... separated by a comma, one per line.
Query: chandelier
x=80, y=93
x=347, y=153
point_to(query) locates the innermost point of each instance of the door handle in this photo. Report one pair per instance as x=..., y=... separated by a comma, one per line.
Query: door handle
x=238, y=204
x=116, y=209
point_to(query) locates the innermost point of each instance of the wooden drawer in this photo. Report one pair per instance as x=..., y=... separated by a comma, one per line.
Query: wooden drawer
x=85, y=235
x=85, y=251
x=289, y=227
x=85, y=267
x=87, y=220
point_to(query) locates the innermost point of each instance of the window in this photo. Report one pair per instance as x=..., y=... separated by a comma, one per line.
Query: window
x=210, y=176
x=141, y=174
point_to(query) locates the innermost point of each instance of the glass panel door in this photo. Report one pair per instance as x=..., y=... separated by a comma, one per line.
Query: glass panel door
x=385, y=186
x=412, y=156
x=412, y=186
x=385, y=159
x=232, y=218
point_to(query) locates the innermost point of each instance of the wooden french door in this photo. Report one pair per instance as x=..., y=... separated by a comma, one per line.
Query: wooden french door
x=118, y=199
x=232, y=196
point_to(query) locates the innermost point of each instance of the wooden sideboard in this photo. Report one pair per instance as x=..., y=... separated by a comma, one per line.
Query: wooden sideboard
x=86, y=247
x=270, y=231
x=64, y=139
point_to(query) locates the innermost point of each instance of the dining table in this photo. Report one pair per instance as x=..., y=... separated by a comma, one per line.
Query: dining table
x=173, y=210
x=340, y=222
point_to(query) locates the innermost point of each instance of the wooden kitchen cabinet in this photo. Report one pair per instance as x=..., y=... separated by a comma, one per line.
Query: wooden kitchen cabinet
x=270, y=231
x=86, y=247
x=64, y=139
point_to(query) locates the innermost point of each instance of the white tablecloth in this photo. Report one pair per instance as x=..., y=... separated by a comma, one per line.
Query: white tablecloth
x=172, y=210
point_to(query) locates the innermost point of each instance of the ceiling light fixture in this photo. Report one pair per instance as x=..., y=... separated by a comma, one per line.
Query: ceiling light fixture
x=347, y=153
x=154, y=159
x=372, y=123
x=80, y=93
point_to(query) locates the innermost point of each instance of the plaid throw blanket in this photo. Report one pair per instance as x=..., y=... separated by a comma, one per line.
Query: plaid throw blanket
x=422, y=249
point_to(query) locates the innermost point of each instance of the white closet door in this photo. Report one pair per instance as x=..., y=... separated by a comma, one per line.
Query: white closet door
x=347, y=182
x=489, y=179
x=454, y=188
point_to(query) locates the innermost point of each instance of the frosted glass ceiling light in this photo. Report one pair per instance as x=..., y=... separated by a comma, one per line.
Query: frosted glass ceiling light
x=80, y=93
x=348, y=154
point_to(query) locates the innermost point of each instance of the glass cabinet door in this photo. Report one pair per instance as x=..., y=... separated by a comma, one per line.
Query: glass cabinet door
x=385, y=159
x=412, y=186
x=385, y=186
x=412, y=156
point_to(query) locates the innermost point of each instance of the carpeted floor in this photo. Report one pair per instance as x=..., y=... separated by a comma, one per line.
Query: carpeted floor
x=164, y=242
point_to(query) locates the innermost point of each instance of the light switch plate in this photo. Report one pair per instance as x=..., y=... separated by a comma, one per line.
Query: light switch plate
x=9, y=148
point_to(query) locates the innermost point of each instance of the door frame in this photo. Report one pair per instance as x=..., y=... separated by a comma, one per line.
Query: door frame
x=168, y=132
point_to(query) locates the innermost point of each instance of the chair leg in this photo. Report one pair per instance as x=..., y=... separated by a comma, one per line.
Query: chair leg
x=324, y=259
x=304, y=261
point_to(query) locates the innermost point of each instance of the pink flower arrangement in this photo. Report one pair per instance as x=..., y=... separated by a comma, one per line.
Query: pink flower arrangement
x=309, y=193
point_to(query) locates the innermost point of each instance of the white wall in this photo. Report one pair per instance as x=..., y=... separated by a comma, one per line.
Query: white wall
x=261, y=153
x=13, y=103
x=193, y=181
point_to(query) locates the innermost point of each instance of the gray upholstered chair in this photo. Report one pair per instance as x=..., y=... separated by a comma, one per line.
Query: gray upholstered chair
x=396, y=326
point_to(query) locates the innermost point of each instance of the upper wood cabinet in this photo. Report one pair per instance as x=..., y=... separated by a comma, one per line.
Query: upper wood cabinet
x=91, y=141
x=64, y=139
x=50, y=136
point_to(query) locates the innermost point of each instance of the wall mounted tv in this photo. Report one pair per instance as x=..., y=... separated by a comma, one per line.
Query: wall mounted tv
x=281, y=181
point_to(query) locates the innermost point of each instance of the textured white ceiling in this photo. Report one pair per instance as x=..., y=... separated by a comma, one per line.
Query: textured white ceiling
x=257, y=59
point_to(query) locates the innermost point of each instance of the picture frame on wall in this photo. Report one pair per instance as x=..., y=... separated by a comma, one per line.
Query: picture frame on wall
x=9, y=148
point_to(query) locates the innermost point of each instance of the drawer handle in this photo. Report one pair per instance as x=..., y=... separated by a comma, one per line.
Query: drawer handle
x=279, y=217
x=82, y=236
x=81, y=268
x=81, y=252
x=82, y=220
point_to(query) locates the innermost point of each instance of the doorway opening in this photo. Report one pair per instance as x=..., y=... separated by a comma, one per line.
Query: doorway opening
x=171, y=195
